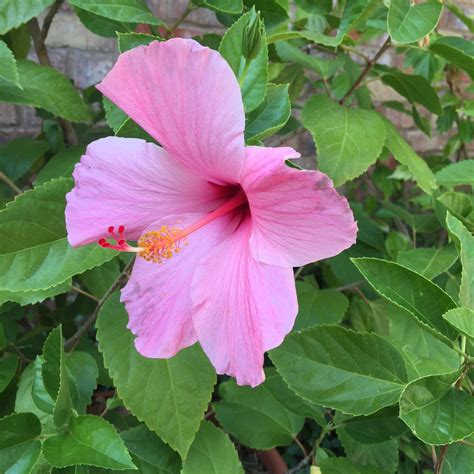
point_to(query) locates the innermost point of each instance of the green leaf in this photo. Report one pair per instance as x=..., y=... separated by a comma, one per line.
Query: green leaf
x=426, y=301
x=90, y=440
x=24, y=401
x=34, y=252
x=459, y=458
x=46, y=88
x=60, y=165
x=376, y=428
x=410, y=22
x=354, y=12
x=341, y=465
x=465, y=243
x=414, y=88
x=253, y=79
x=318, y=306
x=8, y=71
x=129, y=11
x=8, y=366
x=55, y=376
x=436, y=412
x=357, y=373
x=348, y=140
x=456, y=203
x=149, y=453
x=225, y=6
x=24, y=298
x=382, y=455
x=456, y=174
x=457, y=51
x=174, y=393
x=429, y=262
x=211, y=452
x=13, y=13
x=462, y=319
x=127, y=41
x=103, y=26
x=19, y=446
x=18, y=156
x=424, y=352
x=272, y=423
x=405, y=155
x=100, y=279
x=82, y=373
x=324, y=67
x=270, y=115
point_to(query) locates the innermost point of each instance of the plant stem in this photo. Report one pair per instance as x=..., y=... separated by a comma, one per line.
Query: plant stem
x=440, y=459
x=85, y=293
x=71, y=343
x=370, y=64
x=5, y=179
x=189, y=8
x=39, y=38
x=48, y=19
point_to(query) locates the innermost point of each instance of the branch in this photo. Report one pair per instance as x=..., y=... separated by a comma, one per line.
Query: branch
x=71, y=343
x=183, y=16
x=48, y=19
x=39, y=38
x=5, y=179
x=440, y=460
x=286, y=138
x=370, y=64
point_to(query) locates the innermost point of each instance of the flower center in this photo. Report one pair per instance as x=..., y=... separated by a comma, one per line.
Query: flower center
x=161, y=244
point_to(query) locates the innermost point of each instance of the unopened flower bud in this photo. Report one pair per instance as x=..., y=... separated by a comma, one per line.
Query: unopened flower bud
x=252, y=37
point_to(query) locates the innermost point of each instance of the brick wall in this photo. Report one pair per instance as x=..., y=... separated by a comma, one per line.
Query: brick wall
x=85, y=58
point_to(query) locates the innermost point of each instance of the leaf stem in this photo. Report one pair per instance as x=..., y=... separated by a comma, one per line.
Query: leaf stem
x=6, y=180
x=85, y=293
x=370, y=64
x=72, y=342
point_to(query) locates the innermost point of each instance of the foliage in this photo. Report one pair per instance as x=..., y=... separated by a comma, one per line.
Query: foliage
x=375, y=376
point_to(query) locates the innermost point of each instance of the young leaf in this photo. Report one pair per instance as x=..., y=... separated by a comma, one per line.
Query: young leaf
x=47, y=88
x=55, y=376
x=462, y=319
x=272, y=423
x=211, y=452
x=174, y=393
x=426, y=301
x=408, y=22
x=457, y=51
x=348, y=140
x=253, y=75
x=404, y=154
x=34, y=252
x=429, y=262
x=14, y=13
x=465, y=243
x=318, y=306
x=456, y=174
x=19, y=446
x=270, y=115
x=90, y=440
x=149, y=453
x=8, y=71
x=129, y=11
x=435, y=411
x=336, y=367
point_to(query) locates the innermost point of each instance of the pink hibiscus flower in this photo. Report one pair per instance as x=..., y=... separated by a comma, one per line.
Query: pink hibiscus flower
x=219, y=225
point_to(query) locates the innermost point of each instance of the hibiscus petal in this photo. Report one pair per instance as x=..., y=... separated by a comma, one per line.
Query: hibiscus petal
x=242, y=307
x=126, y=181
x=158, y=296
x=298, y=217
x=187, y=97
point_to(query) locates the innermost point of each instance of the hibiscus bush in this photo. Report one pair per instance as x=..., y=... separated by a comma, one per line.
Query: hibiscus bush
x=181, y=293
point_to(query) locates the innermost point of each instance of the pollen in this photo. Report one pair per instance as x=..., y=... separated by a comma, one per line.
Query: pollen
x=159, y=245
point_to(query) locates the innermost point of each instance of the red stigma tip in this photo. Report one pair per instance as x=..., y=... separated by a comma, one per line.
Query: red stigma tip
x=121, y=229
x=101, y=241
x=121, y=242
x=110, y=229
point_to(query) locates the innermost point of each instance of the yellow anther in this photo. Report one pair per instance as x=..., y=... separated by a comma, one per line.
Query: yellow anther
x=160, y=245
